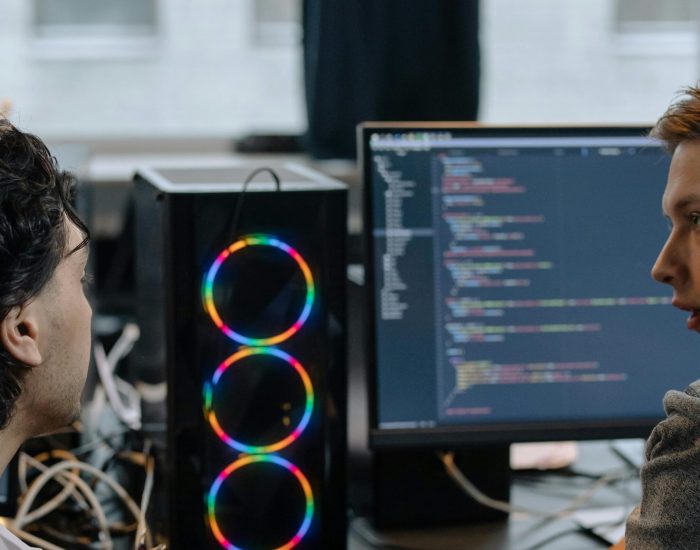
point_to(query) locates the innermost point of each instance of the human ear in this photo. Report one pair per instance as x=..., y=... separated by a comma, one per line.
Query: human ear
x=19, y=335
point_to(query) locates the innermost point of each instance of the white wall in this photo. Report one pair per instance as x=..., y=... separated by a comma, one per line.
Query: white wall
x=562, y=61
x=206, y=78
x=543, y=61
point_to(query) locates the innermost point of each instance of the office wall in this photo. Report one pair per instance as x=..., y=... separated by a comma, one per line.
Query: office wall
x=206, y=73
x=573, y=61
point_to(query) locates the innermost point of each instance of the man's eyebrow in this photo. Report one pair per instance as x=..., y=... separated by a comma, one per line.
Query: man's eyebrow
x=686, y=200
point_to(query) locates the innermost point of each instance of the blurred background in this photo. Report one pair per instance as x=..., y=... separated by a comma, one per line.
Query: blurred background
x=114, y=85
x=95, y=70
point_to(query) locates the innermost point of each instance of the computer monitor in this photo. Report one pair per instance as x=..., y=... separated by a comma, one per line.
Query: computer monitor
x=508, y=277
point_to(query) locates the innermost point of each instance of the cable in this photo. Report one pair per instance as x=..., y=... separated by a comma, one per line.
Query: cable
x=50, y=473
x=145, y=499
x=31, y=539
x=129, y=412
x=619, y=453
x=69, y=489
x=102, y=440
x=152, y=393
x=22, y=473
x=72, y=539
x=125, y=343
x=468, y=487
x=230, y=231
x=233, y=226
x=24, y=517
x=122, y=347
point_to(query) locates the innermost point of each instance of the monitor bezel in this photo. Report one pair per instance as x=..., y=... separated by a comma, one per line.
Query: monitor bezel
x=483, y=434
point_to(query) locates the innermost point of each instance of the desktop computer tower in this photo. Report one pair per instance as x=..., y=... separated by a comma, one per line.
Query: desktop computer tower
x=241, y=296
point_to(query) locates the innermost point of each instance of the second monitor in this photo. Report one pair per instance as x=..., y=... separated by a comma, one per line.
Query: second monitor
x=509, y=279
x=509, y=289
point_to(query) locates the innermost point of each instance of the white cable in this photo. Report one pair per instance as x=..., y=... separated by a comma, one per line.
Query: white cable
x=129, y=413
x=133, y=400
x=22, y=473
x=142, y=528
x=31, y=539
x=69, y=489
x=121, y=493
x=124, y=344
x=65, y=538
x=143, y=534
x=101, y=441
x=152, y=393
x=70, y=464
x=51, y=505
x=468, y=487
x=23, y=514
x=97, y=405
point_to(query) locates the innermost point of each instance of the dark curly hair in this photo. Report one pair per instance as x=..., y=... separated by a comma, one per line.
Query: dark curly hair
x=35, y=198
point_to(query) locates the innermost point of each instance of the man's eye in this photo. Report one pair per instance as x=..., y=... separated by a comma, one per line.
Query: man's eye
x=695, y=218
x=87, y=278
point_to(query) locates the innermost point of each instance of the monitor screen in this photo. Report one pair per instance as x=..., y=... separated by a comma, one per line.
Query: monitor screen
x=508, y=274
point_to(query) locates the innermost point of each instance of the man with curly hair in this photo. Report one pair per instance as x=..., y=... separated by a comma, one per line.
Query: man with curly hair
x=44, y=313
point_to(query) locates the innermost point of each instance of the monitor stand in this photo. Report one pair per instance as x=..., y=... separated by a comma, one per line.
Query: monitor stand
x=412, y=489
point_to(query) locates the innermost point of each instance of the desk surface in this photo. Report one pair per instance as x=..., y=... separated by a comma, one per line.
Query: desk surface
x=540, y=491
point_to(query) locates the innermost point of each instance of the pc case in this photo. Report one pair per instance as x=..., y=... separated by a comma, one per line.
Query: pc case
x=241, y=292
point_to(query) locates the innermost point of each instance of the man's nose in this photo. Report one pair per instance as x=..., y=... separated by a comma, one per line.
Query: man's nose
x=666, y=267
